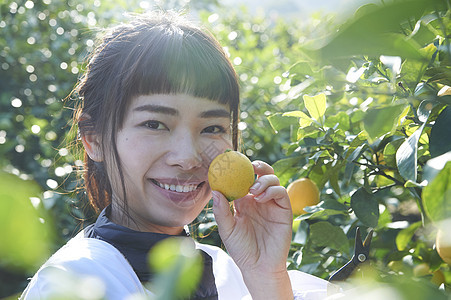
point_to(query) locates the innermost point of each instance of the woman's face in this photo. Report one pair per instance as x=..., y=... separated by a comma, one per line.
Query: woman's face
x=165, y=147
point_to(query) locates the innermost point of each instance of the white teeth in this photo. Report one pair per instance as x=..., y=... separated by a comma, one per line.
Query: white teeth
x=178, y=188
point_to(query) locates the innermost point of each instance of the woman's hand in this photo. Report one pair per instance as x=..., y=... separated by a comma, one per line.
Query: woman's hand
x=258, y=235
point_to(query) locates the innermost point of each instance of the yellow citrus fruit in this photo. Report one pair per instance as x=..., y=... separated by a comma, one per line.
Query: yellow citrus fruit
x=232, y=174
x=438, y=278
x=302, y=192
x=445, y=90
x=421, y=270
x=443, y=245
x=396, y=265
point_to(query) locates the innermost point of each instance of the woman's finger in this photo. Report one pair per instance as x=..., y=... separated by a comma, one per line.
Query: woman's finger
x=276, y=193
x=262, y=183
x=261, y=168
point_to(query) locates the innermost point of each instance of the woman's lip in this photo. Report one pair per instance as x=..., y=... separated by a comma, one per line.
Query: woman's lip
x=178, y=188
x=182, y=198
x=177, y=181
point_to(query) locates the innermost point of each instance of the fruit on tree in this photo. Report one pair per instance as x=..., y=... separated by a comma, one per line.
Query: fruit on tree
x=302, y=192
x=444, y=91
x=396, y=265
x=232, y=174
x=443, y=245
x=421, y=270
x=438, y=277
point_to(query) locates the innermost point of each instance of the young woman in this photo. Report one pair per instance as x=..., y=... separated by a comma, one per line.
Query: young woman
x=159, y=101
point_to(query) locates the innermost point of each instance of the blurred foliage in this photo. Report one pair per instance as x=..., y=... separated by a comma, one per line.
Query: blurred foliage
x=178, y=267
x=354, y=107
x=16, y=213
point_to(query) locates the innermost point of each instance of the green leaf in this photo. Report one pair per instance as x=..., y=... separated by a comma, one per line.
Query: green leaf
x=323, y=210
x=423, y=34
x=425, y=108
x=405, y=236
x=385, y=218
x=278, y=121
x=341, y=120
x=301, y=68
x=286, y=168
x=25, y=241
x=439, y=75
x=365, y=207
x=304, y=132
x=316, y=106
x=440, y=139
x=436, y=196
x=304, y=120
x=412, y=184
x=301, y=233
x=374, y=32
x=334, y=175
x=444, y=99
x=357, y=116
x=314, y=213
x=406, y=156
x=324, y=234
x=382, y=120
x=390, y=151
x=350, y=169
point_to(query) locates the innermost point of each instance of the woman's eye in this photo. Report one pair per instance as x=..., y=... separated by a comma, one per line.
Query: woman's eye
x=155, y=125
x=214, y=129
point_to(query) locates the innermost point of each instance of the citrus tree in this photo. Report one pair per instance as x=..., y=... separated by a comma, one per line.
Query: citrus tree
x=371, y=127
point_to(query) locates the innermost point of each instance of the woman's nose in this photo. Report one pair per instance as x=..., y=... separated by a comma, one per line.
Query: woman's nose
x=185, y=152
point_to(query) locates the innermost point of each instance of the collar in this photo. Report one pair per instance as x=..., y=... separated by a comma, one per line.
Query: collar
x=135, y=246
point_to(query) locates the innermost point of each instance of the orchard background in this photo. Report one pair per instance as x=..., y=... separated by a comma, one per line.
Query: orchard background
x=360, y=105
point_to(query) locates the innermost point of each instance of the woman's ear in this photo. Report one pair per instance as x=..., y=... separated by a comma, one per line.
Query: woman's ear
x=93, y=147
x=90, y=139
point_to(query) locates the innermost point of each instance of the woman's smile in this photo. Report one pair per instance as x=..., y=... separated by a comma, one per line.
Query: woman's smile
x=182, y=194
x=178, y=187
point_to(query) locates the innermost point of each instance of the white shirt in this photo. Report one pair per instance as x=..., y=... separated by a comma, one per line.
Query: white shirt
x=89, y=268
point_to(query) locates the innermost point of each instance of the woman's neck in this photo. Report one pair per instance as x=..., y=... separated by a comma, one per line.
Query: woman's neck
x=121, y=216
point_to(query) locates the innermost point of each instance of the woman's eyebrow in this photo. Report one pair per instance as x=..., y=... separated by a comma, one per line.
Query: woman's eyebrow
x=157, y=109
x=215, y=113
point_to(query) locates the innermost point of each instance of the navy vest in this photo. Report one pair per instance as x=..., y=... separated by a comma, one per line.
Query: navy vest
x=135, y=246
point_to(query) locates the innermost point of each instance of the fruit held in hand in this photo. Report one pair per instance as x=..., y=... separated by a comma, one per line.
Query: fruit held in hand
x=232, y=174
x=302, y=192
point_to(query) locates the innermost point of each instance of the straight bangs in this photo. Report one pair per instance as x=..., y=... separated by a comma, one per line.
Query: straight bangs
x=177, y=60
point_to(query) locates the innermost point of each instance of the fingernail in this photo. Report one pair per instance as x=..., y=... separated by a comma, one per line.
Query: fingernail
x=256, y=164
x=259, y=197
x=255, y=186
